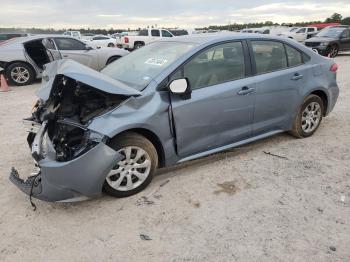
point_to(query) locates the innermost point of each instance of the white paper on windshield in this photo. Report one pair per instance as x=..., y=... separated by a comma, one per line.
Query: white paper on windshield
x=156, y=61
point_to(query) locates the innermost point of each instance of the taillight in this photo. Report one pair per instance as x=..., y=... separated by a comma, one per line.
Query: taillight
x=126, y=40
x=334, y=68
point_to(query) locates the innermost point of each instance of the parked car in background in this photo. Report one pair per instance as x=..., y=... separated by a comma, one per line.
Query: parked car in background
x=75, y=34
x=143, y=38
x=180, y=32
x=87, y=36
x=301, y=34
x=24, y=58
x=99, y=41
x=169, y=102
x=331, y=40
x=7, y=36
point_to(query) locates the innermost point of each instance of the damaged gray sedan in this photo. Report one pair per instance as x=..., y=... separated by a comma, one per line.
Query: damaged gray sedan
x=168, y=102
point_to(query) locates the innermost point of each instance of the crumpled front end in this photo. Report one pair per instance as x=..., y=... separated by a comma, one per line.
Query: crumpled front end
x=72, y=161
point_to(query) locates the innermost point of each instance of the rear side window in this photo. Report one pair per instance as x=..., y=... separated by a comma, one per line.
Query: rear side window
x=294, y=56
x=216, y=65
x=269, y=56
x=69, y=44
x=155, y=32
x=143, y=33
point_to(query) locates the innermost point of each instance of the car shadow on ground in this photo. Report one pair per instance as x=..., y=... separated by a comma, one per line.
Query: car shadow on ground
x=165, y=174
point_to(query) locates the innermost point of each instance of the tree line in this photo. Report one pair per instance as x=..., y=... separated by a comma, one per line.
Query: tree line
x=334, y=18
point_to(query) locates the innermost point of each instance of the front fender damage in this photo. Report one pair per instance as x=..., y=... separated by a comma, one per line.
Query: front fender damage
x=73, y=160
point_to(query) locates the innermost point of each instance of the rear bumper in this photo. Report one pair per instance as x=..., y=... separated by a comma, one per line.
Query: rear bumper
x=82, y=177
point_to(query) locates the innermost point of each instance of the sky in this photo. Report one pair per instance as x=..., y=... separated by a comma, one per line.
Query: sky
x=132, y=14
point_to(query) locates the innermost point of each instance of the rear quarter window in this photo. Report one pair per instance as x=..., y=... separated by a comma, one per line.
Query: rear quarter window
x=294, y=56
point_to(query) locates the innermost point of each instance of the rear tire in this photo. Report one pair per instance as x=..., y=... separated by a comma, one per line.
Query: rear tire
x=138, y=45
x=20, y=74
x=309, y=117
x=136, y=170
x=110, y=45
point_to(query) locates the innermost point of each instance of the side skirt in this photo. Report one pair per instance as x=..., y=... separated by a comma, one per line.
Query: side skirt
x=223, y=148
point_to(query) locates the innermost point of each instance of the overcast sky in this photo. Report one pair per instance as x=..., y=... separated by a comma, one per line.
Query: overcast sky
x=181, y=13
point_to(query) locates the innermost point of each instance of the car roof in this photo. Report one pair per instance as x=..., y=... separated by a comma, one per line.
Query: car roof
x=217, y=37
x=35, y=37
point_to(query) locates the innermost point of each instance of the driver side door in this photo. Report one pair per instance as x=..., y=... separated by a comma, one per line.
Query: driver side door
x=74, y=49
x=345, y=40
x=220, y=109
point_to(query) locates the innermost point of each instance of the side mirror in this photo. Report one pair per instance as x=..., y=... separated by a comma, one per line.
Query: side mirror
x=180, y=87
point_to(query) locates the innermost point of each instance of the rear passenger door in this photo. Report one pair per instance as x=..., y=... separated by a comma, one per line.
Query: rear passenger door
x=220, y=110
x=279, y=79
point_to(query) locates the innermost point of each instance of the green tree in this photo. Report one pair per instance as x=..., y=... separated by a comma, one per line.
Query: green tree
x=346, y=21
x=335, y=18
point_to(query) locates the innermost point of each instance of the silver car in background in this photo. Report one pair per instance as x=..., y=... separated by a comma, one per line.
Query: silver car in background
x=23, y=58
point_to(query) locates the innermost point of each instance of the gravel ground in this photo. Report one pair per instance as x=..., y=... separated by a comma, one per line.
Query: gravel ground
x=240, y=205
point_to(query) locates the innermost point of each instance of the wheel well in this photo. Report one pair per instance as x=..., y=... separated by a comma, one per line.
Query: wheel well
x=139, y=42
x=324, y=98
x=109, y=59
x=153, y=138
x=23, y=62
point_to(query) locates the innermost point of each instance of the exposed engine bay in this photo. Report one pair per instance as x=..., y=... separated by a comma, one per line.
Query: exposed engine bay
x=67, y=113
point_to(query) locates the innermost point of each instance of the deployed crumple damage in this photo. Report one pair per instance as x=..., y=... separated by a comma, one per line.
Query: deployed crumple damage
x=61, y=142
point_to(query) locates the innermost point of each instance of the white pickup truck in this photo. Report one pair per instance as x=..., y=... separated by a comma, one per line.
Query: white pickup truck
x=301, y=34
x=144, y=37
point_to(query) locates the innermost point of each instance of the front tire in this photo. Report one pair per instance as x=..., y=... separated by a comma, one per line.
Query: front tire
x=309, y=117
x=136, y=170
x=333, y=51
x=20, y=74
x=110, y=45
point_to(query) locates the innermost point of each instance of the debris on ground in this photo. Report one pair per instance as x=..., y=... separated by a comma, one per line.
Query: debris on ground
x=229, y=188
x=271, y=154
x=145, y=237
x=332, y=248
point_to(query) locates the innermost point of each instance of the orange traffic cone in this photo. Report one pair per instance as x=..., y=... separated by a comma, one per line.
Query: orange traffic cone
x=4, y=87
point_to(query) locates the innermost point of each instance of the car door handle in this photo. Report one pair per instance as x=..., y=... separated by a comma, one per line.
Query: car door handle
x=297, y=76
x=246, y=90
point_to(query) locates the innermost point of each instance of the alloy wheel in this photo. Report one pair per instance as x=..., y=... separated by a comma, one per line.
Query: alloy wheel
x=131, y=171
x=333, y=51
x=311, y=117
x=20, y=74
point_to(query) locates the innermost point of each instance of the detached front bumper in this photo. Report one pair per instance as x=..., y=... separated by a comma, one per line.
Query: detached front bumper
x=80, y=178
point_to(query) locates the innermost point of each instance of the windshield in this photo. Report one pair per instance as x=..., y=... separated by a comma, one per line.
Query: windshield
x=138, y=68
x=331, y=32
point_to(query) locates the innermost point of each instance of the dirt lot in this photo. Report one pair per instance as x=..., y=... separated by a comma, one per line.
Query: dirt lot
x=241, y=205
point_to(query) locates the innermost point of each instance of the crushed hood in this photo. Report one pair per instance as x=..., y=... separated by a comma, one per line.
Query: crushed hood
x=83, y=74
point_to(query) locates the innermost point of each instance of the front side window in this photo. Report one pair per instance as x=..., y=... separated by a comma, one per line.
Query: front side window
x=166, y=34
x=346, y=34
x=69, y=44
x=269, y=56
x=294, y=56
x=155, y=32
x=301, y=31
x=216, y=65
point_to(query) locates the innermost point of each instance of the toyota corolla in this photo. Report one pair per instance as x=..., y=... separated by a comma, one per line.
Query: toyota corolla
x=166, y=103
